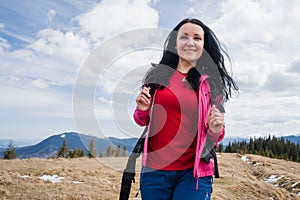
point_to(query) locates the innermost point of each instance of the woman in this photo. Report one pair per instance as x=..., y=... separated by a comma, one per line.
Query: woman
x=181, y=103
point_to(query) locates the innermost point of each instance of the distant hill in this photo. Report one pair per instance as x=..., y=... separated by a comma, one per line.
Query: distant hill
x=293, y=138
x=128, y=142
x=17, y=142
x=50, y=145
x=228, y=140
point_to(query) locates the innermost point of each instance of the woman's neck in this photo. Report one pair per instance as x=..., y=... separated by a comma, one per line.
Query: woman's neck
x=184, y=66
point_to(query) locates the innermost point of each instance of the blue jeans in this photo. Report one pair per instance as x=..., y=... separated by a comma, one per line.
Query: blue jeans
x=174, y=185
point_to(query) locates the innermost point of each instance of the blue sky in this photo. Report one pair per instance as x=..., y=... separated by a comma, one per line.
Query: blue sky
x=45, y=45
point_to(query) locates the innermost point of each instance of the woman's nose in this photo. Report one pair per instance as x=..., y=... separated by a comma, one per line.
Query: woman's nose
x=190, y=42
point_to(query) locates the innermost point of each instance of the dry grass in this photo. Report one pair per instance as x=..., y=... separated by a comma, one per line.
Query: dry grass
x=100, y=178
x=247, y=180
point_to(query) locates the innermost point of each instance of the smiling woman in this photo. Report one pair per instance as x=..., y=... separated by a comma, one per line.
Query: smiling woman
x=181, y=103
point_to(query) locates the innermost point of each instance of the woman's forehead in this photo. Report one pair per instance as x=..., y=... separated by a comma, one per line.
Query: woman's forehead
x=191, y=28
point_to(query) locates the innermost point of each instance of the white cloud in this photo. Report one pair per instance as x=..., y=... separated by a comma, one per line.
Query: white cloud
x=40, y=83
x=153, y=1
x=257, y=34
x=104, y=100
x=4, y=45
x=262, y=38
x=294, y=67
x=191, y=11
x=110, y=17
x=260, y=113
x=123, y=75
x=257, y=20
x=51, y=14
x=28, y=66
x=19, y=55
x=283, y=82
x=267, y=26
x=205, y=10
x=27, y=97
x=247, y=21
x=69, y=46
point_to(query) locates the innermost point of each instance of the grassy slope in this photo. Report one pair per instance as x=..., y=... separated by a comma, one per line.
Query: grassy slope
x=100, y=178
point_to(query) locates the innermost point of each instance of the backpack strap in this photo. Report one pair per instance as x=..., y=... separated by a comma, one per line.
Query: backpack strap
x=216, y=167
x=129, y=172
x=208, y=152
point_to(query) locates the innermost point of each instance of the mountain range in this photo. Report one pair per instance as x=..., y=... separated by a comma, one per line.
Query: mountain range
x=49, y=146
x=293, y=138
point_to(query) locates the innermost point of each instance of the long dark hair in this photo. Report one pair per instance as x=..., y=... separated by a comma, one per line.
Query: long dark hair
x=211, y=63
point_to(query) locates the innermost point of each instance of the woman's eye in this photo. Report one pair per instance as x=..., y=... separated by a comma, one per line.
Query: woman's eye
x=198, y=38
x=183, y=37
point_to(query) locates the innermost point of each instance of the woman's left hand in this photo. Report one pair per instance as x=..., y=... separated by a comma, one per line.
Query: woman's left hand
x=215, y=120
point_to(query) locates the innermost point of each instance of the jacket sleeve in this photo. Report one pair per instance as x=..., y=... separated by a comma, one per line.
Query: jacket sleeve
x=216, y=137
x=141, y=117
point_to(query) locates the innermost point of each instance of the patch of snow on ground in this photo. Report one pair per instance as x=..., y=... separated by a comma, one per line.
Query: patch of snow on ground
x=244, y=158
x=54, y=179
x=25, y=176
x=273, y=179
x=77, y=182
x=295, y=184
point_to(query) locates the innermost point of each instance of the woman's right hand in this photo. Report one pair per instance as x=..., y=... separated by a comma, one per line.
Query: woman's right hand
x=144, y=99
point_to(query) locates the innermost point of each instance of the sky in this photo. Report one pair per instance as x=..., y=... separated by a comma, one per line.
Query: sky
x=71, y=65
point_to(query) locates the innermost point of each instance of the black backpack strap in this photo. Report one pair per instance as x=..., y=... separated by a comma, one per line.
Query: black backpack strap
x=216, y=167
x=208, y=152
x=129, y=172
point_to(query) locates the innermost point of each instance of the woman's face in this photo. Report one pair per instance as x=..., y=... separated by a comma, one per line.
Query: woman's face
x=190, y=42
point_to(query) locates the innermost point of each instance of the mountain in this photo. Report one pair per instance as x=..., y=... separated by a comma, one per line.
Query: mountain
x=128, y=142
x=17, y=142
x=228, y=140
x=293, y=138
x=50, y=145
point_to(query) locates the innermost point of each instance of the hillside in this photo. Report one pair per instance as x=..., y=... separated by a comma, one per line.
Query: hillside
x=49, y=146
x=248, y=177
